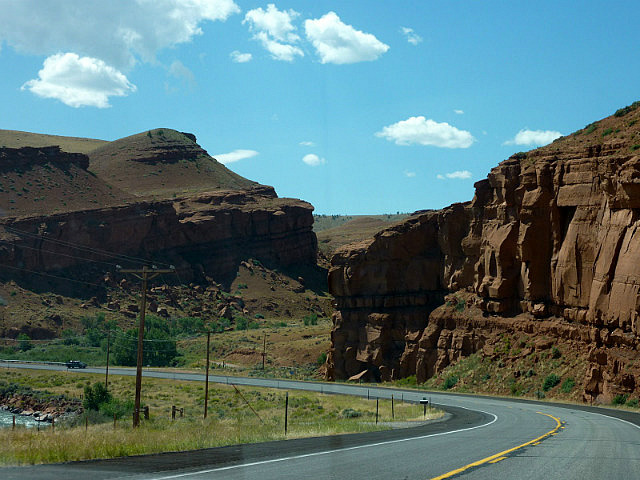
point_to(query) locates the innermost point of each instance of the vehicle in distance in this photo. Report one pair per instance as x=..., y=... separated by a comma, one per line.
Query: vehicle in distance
x=76, y=364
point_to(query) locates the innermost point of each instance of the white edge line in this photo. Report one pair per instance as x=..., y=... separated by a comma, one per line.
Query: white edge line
x=327, y=452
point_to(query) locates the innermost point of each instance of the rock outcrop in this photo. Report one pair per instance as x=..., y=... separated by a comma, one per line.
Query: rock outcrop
x=551, y=235
x=205, y=234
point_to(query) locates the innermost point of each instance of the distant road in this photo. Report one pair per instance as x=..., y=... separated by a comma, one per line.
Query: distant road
x=485, y=438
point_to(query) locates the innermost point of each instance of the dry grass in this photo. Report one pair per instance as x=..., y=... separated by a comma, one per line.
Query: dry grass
x=229, y=421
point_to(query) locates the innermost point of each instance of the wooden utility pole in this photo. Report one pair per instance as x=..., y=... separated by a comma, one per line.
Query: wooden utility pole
x=206, y=378
x=145, y=274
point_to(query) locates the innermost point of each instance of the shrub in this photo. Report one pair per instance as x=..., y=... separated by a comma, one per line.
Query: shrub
x=310, y=319
x=555, y=352
x=550, y=381
x=241, y=323
x=633, y=403
x=620, y=399
x=116, y=407
x=95, y=396
x=350, y=413
x=450, y=382
x=322, y=359
x=634, y=147
x=590, y=128
x=567, y=385
x=253, y=325
x=623, y=111
x=24, y=342
x=258, y=316
x=608, y=131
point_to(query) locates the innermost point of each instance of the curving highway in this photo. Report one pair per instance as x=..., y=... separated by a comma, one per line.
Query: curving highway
x=483, y=438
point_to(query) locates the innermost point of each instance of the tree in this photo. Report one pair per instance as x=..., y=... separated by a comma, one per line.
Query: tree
x=95, y=396
x=159, y=346
x=24, y=342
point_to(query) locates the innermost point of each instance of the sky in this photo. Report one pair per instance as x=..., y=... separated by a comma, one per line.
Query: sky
x=358, y=107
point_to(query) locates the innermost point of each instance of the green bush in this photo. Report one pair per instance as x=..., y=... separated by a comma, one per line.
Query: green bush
x=608, y=131
x=95, y=396
x=450, y=382
x=24, y=342
x=322, y=359
x=350, y=413
x=555, y=352
x=311, y=319
x=633, y=403
x=634, y=147
x=550, y=381
x=118, y=408
x=590, y=128
x=258, y=316
x=241, y=323
x=620, y=399
x=567, y=385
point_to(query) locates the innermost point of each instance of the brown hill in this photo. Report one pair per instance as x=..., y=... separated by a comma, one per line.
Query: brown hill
x=18, y=139
x=355, y=229
x=38, y=181
x=162, y=163
x=546, y=254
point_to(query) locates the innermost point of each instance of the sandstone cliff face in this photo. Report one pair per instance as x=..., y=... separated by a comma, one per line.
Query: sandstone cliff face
x=550, y=234
x=206, y=234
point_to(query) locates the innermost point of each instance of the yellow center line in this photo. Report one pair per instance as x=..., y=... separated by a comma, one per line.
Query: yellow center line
x=496, y=457
x=497, y=460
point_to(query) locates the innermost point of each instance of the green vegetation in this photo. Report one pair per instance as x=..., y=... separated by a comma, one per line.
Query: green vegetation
x=628, y=109
x=590, y=128
x=567, y=385
x=607, y=131
x=634, y=147
x=550, y=381
x=450, y=382
x=555, y=353
x=322, y=359
x=620, y=399
x=311, y=319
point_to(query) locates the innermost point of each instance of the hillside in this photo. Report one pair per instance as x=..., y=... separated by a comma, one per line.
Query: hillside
x=18, y=139
x=334, y=231
x=538, y=273
x=162, y=163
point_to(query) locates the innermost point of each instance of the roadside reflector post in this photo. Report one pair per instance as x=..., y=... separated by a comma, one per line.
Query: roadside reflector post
x=424, y=403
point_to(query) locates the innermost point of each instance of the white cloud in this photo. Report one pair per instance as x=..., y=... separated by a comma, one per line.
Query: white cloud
x=236, y=155
x=422, y=131
x=307, y=144
x=313, y=160
x=457, y=175
x=409, y=174
x=116, y=31
x=79, y=81
x=239, y=57
x=458, y=111
x=337, y=42
x=533, y=137
x=179, y=70
x=412, y=37
x=275, y=30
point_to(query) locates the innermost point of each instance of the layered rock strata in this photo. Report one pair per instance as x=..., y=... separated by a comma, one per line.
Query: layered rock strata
x=205, y=234
x=551, y=235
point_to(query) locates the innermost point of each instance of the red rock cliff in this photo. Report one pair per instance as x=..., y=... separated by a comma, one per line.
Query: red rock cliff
x=550, y=235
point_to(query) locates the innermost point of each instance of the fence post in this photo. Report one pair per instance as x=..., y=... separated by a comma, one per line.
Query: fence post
x=173, y=412
x=14, y=423
x=377, y=410
x=286, y=412
x=393, y=414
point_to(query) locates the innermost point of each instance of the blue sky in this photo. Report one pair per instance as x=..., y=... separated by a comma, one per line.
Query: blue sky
x=358, y=107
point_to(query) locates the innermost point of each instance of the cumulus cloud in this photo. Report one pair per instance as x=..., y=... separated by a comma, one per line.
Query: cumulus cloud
x=457, y=111
x=422, y=131
x=275, y=30
x=337, y=42
x=239, y=57
x=116, y=31
x=412, y=37
x=533, y=137
x=457, y=175
x=307, y=144
x=235, y=156
x=79, y=81
x=313, y=160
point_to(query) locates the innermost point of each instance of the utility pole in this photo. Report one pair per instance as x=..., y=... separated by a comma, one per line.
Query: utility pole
x=106, y=375
x=145, y=274
x=264, y=350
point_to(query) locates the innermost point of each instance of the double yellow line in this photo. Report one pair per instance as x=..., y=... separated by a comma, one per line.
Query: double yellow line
x=501, y=456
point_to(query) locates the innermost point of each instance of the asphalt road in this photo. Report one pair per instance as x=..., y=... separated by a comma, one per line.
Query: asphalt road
x=483, y=438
